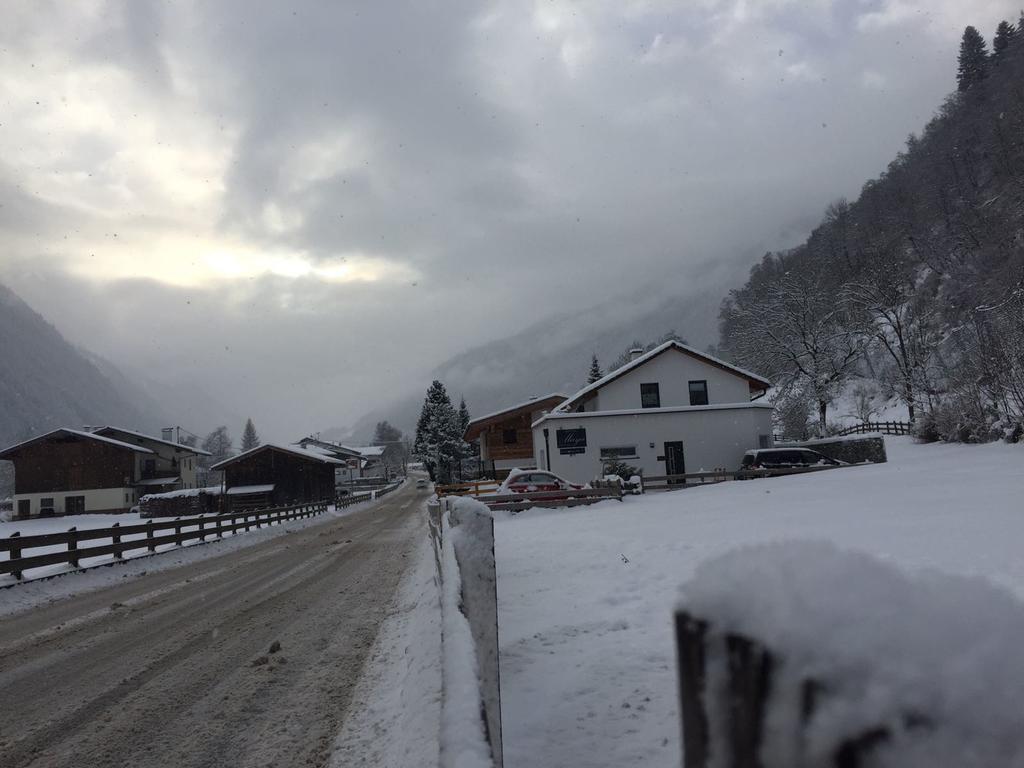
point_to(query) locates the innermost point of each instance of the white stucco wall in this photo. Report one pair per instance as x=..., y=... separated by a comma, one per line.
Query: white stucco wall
x=96, y=500
x=672, y=370
x=712, y=437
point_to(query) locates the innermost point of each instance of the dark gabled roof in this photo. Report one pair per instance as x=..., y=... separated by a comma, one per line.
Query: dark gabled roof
x=143, y=436
x=478, y=425
x=311, y=454
x=9, y=452
x=756, y=382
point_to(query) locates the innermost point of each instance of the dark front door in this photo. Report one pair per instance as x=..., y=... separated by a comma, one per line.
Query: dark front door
x=675, y=464
x=24, y=509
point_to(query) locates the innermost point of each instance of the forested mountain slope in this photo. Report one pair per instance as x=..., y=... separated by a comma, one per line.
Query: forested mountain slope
x=916, y=287
x=45, y=382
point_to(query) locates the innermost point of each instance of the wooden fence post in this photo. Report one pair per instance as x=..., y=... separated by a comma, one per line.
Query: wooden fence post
x=202, y=528
x=149, y=536
x=220, y=528
x=15, y=554
x=116, y=536
x=178, y=540
x=73, y=546
x=690, y=638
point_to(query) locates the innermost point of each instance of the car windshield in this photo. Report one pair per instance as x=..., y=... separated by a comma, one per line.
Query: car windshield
x=537, y=383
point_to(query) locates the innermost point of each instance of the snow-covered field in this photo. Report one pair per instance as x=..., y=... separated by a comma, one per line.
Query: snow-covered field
x=586, y=595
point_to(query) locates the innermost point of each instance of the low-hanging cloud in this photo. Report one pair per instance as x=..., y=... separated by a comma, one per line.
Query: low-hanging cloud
x=306, y=206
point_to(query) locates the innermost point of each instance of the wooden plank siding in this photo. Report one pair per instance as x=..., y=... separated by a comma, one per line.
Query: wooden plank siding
x=498, y=449
x=64, y=464
x=296, y=480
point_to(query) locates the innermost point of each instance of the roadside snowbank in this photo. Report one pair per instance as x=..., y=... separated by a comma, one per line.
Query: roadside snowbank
x=586, y=595
x=396, y=711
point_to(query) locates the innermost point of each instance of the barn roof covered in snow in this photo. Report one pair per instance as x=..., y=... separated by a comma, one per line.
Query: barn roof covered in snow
x=310, y=454
x=9, y=453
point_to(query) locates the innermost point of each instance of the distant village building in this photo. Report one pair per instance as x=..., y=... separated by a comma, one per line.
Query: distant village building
x=352, y=459
x=372, y=463
x=505, y=437
x=670, y=411
x=273, y=475
x=106, y=469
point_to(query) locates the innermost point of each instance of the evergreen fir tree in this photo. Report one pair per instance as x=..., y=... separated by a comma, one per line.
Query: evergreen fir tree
x=595, y=371
x=972, y=63
x=1005, y=35
x=465, y=450
x=438, y=434
x=250, y=439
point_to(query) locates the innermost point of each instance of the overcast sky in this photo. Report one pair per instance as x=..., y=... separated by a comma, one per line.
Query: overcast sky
x=307, y=205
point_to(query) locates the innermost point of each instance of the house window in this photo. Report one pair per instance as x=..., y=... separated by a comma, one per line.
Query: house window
x=698, y=393
x=509, y=436
x=74, y=505
x=618, y=452
x=149, y=466
x=650, y=396
x=46, y=506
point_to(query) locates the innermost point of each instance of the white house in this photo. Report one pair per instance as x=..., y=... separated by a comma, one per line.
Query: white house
x=670, y=411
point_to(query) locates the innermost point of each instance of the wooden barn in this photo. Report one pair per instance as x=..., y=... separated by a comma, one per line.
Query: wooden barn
x=506, y=437
x=272, y=475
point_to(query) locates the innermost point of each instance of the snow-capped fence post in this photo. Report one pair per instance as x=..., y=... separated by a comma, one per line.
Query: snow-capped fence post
x=178, y=540
x=801, y=655
x=202, y=529
x=73, y=546
x=467, y=560
x=149, y=536
x=115, y=537
x=15, y=555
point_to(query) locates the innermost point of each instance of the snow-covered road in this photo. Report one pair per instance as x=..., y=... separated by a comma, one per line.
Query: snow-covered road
x=175, y=668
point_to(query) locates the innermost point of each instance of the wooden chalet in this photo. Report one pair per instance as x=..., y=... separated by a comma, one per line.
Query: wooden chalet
x=506, y=438
x=98, y=470
x=69, y=472
x=272, y=475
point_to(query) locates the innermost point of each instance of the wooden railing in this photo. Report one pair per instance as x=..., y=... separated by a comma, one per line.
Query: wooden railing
x=347, y=500
x=148, y=536
x=516, y=502
x=468, y=488
x=678, y=482
x=885, y=427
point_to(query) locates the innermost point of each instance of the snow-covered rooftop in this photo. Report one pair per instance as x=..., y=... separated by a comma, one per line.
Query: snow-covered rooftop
x=76, y=433
x=242, y=490
x=316, y=454
x=636, y=363
x=144, y=436
x=517, y=407
x=370, y=451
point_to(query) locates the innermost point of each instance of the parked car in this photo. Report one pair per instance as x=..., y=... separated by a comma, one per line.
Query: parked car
x=534, y=481
x=421, y=482
x=786, y=458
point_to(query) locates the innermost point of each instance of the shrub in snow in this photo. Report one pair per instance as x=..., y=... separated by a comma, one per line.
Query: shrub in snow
x=904, y=670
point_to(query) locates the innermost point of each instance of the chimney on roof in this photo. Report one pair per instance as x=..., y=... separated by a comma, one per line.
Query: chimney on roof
x=634, y=353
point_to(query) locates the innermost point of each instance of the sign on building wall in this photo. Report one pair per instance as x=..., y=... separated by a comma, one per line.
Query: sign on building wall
x=571, y=441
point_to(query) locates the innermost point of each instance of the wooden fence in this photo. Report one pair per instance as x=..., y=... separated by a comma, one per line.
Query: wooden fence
x=148, y=536
x=678, y=482
x=885, y=427
x=516, y=502
x=469, y=488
